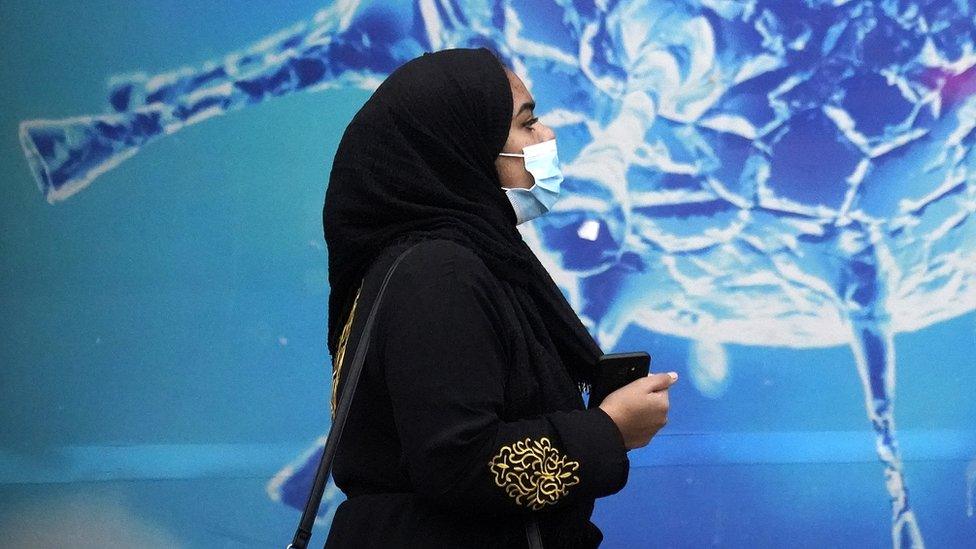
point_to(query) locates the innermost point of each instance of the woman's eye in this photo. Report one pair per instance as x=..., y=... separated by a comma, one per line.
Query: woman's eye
x=531, y=122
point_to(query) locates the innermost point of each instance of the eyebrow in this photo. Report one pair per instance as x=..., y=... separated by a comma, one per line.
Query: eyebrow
x=527, y=106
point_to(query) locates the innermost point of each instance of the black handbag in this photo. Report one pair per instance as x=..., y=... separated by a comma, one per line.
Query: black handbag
x=304, y=531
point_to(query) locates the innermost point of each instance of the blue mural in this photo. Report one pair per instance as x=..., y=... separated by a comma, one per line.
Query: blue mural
x=778, y=173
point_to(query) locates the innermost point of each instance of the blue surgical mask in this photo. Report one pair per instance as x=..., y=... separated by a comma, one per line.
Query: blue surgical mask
x=542, y=162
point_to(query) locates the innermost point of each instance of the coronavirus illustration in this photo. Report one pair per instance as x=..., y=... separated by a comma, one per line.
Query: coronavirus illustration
x=794, y=173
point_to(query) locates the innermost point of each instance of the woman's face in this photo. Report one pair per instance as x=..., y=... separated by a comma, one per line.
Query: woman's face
x=525, y=130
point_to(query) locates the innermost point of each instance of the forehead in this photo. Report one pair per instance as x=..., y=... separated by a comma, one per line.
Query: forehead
x=520, y=94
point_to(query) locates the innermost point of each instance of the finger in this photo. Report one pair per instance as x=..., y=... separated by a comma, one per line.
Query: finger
x=659, y=398
x=672, y=379
x=657, y=382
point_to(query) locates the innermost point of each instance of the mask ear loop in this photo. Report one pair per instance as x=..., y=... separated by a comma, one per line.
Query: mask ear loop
x=516, y=155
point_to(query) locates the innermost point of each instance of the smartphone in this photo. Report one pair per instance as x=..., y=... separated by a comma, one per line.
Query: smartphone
x=616, y=370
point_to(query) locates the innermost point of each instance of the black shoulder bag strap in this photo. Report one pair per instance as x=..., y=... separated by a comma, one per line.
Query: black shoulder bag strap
x=304, y=531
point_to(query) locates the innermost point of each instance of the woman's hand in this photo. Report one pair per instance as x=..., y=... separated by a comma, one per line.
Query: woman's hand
x=640, y=408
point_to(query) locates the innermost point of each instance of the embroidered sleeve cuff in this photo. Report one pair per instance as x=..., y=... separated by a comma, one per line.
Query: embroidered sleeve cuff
x=534, y=473
x=593, y=439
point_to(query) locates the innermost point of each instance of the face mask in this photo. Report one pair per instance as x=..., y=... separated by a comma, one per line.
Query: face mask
x=542, y=162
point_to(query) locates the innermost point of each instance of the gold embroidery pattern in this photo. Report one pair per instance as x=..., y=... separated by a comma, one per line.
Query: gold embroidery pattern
x=533, y=472
x=341, y=353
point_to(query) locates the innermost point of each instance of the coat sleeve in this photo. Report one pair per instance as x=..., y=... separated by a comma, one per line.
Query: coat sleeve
x=445, y=364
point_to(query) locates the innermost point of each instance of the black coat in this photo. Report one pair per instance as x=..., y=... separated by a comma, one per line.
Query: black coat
x=448, y=443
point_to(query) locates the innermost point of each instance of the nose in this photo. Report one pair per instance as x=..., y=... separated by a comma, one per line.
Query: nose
x=546, y=132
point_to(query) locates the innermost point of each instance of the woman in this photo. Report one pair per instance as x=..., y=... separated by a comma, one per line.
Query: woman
x=468, y=422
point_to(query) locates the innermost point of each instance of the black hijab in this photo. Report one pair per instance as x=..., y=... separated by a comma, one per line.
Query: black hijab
x=416, y=163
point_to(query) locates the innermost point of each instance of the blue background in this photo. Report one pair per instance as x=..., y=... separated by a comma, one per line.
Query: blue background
x=163, y=350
